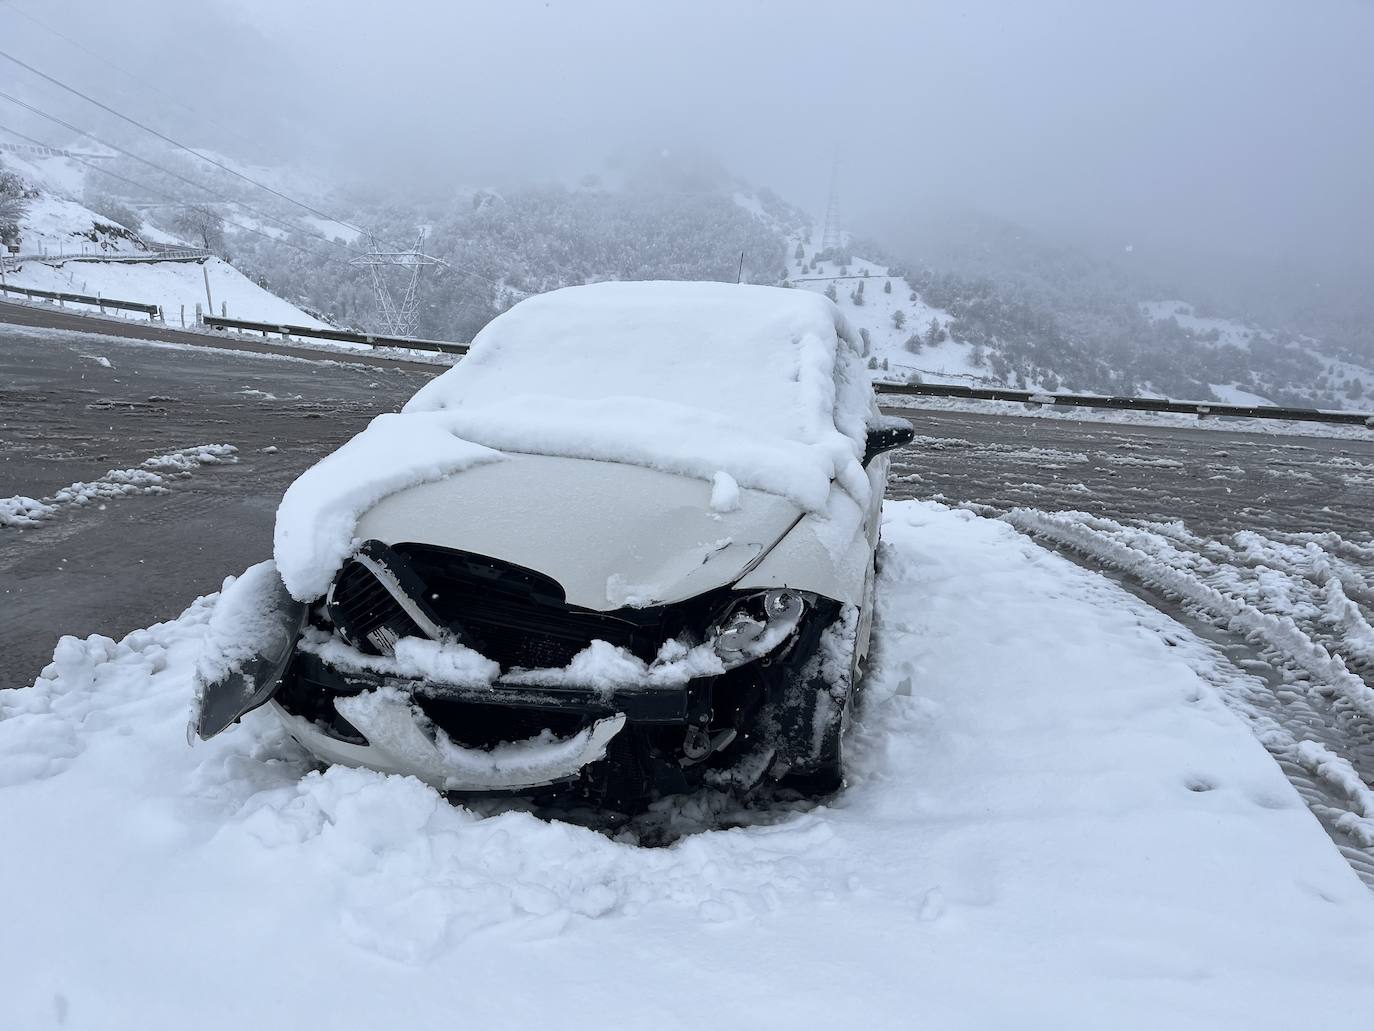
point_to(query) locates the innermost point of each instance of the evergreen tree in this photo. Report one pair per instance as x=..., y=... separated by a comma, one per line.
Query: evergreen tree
x=831, y=292
x=899, y=319
x=887, y=286
x=13, y=204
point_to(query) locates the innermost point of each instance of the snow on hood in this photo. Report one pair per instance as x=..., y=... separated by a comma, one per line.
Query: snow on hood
x=317, y=516
x=611, y=534
x=762, y=384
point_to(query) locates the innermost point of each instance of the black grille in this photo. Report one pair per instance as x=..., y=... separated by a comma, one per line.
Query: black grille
x=518, y=617
x=366, y=612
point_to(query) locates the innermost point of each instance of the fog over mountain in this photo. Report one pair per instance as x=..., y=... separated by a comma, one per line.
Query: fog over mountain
x=1221, y=147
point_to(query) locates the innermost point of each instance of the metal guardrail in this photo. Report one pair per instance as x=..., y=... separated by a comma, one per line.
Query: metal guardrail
x=151, y=310
x=1201, y=409
x=306, y=332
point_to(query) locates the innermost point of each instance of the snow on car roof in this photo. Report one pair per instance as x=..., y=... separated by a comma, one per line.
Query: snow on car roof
x=762, y=356
x=764, y=384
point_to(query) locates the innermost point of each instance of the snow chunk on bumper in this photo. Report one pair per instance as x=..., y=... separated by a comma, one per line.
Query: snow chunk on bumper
x=405, y=739
x=319, y=513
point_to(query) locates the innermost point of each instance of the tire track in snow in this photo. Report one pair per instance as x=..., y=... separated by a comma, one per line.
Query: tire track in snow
x=1300, y=699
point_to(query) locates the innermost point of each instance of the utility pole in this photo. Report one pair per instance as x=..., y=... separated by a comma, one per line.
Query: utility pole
x=205, y=271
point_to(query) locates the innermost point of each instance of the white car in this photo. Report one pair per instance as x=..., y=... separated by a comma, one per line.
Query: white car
x=624, y=548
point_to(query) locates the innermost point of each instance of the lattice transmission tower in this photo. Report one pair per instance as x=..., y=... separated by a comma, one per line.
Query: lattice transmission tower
x=833, y=236
x=398, y=319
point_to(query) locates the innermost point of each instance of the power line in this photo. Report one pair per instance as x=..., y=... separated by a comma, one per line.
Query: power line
x=124, y=71
x=203, y=157
x=165, y=171
x=160, y=193
x=180, y=146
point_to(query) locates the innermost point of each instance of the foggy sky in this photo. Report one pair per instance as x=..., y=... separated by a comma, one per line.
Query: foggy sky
x=1217, y=126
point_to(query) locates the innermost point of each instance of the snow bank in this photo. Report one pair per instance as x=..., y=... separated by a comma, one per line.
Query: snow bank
x=1052, y=822
x=704, y=380
x=152, y=476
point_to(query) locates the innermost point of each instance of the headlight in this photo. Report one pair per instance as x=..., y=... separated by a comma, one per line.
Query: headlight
x=757, y=624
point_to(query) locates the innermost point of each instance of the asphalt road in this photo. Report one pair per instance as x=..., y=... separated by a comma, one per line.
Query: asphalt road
x=1217, y=481
x=125, y=562
x=122, y=563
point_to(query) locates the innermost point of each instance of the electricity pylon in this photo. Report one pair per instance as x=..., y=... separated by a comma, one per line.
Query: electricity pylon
x=401, y=319
x=833, y=236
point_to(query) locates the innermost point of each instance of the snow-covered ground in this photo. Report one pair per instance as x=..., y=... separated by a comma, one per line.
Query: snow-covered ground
x=175, y=285
x=1054, y=820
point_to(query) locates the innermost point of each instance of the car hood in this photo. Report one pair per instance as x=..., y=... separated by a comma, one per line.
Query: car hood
x=612, y=535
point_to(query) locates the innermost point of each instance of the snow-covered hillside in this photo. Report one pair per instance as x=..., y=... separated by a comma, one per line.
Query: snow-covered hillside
x=175, y=285
x=1209, y=330
x=1342, y=377
x=56, y=224
x=906, y=337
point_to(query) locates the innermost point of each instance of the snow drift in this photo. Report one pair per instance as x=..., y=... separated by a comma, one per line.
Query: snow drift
x=1052, y=821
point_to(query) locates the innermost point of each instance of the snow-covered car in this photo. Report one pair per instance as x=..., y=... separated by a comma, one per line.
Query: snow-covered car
x=624, y=548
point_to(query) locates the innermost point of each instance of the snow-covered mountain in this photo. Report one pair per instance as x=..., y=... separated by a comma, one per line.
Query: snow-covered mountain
x=1008, y=309
x=67, y=246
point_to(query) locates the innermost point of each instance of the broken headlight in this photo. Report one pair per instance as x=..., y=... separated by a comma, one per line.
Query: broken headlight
x=756, y=624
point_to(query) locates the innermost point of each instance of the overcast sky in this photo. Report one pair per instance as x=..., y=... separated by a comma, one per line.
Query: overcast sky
x=1224, y=125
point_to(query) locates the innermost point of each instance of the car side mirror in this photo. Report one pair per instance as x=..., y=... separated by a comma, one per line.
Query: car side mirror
x=889, y=434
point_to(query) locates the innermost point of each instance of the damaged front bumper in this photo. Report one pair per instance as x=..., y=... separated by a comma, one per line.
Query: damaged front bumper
x=487, y=738
x=398, y=738
x=747, y=698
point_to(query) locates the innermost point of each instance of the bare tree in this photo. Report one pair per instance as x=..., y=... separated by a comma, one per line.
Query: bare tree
x=201, y=224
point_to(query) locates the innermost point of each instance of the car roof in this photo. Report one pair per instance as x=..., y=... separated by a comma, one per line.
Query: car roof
x=750, y=354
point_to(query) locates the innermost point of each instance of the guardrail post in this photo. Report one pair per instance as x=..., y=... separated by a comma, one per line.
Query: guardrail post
x=183, y=316
x=200, y=318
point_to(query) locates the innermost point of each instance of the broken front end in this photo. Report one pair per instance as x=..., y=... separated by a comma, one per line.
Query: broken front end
x=478, y=676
